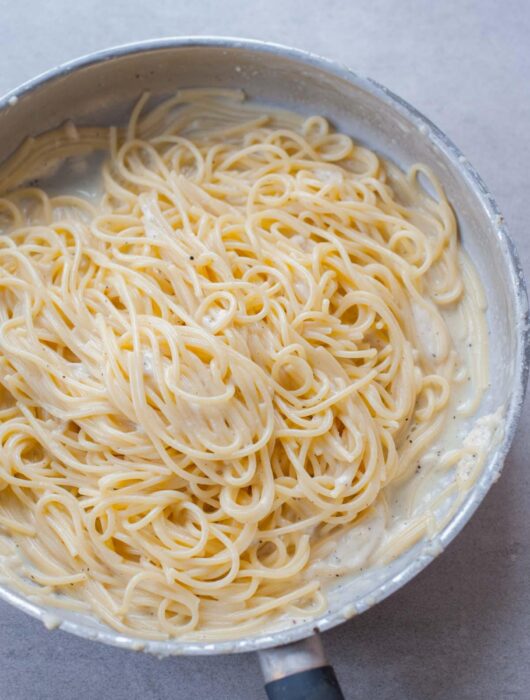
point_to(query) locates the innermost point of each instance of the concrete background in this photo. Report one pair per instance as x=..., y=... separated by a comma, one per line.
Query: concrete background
x=462, y=628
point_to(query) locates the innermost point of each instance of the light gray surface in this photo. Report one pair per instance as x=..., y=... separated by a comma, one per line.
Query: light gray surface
x=462, y=628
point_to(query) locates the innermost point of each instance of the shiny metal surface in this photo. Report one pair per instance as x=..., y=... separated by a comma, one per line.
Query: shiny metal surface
x=296, y=657
x=103, y=87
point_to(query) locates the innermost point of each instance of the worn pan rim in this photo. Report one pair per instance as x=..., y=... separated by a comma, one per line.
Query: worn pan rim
x=521, y=361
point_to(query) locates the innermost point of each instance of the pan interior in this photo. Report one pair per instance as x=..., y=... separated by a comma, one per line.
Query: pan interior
x=103, y=90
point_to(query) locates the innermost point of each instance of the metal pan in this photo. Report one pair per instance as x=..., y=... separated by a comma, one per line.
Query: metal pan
x=103, y=86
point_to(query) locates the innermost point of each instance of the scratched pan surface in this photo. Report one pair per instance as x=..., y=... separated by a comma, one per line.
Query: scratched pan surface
x=102, y=87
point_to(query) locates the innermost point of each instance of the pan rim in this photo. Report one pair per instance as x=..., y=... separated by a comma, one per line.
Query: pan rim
x=521, y=361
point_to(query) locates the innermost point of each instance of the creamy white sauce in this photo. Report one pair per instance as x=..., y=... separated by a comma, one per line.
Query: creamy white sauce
x=418, y=509
x=301, y=288
x=81, y=371
x=147, y=362
x=354, y=563
x=306, y=244
x=479, y=439
x=328, y=175
x=213, y=316
x=152, y=226
x=51, y=622
x=79, y=176
x=427, y=334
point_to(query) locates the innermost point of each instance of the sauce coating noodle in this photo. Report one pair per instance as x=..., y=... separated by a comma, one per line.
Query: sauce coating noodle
x=211, y=373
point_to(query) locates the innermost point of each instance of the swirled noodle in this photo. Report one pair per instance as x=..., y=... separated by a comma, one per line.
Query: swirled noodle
x=214, y=370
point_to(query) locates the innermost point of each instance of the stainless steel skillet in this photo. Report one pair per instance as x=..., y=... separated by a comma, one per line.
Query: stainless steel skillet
x=102, y=87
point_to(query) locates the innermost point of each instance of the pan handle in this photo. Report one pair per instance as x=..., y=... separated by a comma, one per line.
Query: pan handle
x=299, y=671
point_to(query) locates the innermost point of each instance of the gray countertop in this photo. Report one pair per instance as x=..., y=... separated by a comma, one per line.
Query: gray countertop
x=461, y=629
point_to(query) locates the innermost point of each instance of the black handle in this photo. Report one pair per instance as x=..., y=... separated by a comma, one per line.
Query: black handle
x=314, y=684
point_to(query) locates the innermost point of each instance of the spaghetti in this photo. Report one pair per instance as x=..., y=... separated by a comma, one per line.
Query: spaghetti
x=212, y=371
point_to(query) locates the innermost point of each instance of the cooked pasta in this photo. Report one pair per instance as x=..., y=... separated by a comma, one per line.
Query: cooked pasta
x=211, y=371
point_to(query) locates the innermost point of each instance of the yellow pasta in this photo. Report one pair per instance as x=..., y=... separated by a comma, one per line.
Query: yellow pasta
x=217, y=367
